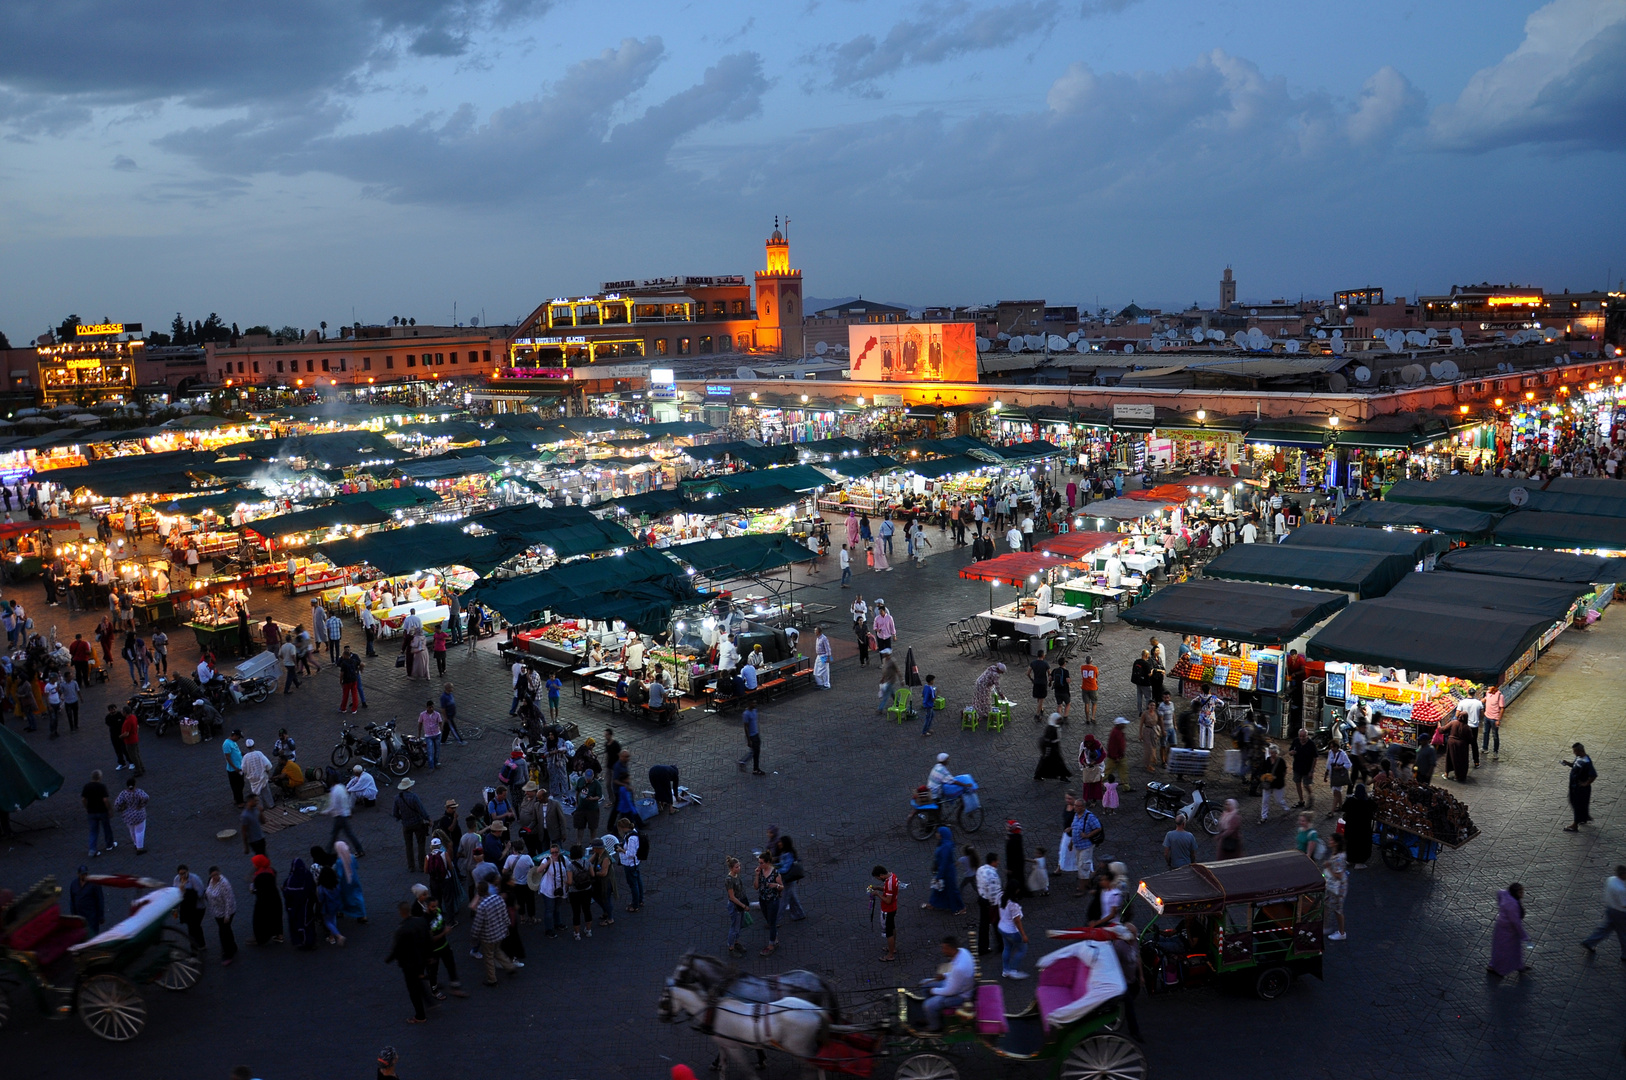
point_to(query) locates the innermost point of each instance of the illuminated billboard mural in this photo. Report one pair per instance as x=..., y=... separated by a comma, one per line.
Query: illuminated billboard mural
x=913, y=352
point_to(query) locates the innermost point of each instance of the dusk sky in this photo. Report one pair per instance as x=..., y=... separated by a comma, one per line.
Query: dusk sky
x=297, y=160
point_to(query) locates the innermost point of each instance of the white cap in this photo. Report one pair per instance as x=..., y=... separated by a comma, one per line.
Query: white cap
x=941, y=758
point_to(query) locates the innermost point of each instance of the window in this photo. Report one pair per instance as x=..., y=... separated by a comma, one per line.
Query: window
x=683, y=346
x=454, y=357
x=239, y=367
x=488, y=356
x=661, y=346
x=705, y=344
x=440, y=358
x=718, y=307
x=256, y=367
x=344, y=363
x=412, y=360
x=324, y=364
x=738, y=307
x=279, y=367
x=725, y=343
x=366, y=363
x=310, y=365
x=389, y=363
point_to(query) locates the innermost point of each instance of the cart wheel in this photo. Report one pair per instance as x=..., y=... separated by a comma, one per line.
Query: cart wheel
x=185, y=967
x=111, y=1006
x=971, y=820
x=919, y=827
x=340, y=756
x=1396, y=857
x=1211, y=820
x=1104, y=1057
x=1273, y=983
x=927, y=1067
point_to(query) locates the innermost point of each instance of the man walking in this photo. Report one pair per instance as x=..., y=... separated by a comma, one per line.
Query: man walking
x=340, y=805
x=130, y=732
x=1272, y=783
x=1179, y=846
x=1304, y=755
x=753, y=741
x=411, y=948
x=988, y=893
x=1614, y=914
x=93, y=797
x=490, y=928
x=349, y=681
x=288, y=656
x=234, y=765
x=414, y=819
x=1494, y=704
x=846, y=560
x=885, y=890
x=1582, y=774
x=429, y=729
x=335, y=631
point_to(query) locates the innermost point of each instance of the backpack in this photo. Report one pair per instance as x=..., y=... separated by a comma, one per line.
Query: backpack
x=506, y=774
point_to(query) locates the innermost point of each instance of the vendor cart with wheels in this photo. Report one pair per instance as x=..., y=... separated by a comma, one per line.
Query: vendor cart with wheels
x=1400, y=847
x=45, y=952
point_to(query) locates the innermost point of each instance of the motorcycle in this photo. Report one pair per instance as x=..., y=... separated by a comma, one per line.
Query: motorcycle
x=154, y=710
x=1164, y=800
x=959, y=799
x=371, y=748
x=241, y=690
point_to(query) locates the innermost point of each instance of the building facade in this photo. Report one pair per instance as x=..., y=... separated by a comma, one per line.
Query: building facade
x=361, y=357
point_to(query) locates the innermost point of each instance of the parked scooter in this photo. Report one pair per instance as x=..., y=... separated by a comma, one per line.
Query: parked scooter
x=1165, y=800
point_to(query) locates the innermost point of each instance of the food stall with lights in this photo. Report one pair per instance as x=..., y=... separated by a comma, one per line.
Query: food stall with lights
x=29, y=544
x=1293, y=455
x=1033, y=615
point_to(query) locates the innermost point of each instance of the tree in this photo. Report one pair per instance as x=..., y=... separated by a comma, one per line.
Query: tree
x=64, y=331
x=155, y=338
x=266, y=330
x=5, y=343
x=412, y=322
x=324, y=329
x=177, y=330
x=290, y=333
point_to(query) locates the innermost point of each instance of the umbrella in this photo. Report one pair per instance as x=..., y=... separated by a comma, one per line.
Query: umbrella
x=25, y=777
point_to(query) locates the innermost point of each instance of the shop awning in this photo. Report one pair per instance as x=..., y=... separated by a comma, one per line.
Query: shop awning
x=758, y=457
x=447, y=466
x=937, y=468
x=1015, y=568
x=1076, y=545
x=392, y=498
x=740, y=556
x=794, y=477
x=922, y=412
x=1342, y=536
x=1541, y=529
x=682, y=429
x=566, y=531
x=1550, y=599
x=657, y=503
x=772, y=497
x=335, y=449
x=1600, y=498
x=1122, y=508
x=640, y=587
x=421, y=547
x=959, y=444
x=1235, y=611
x=459, y=430
x=1476, y=644
x=1454, y=521
x=221, y=502
x=1364, y=573
x=859, y=466
x=1294, y=435
x=1027, y=451
x=841, y=444
x=1529, y=563
x=322, y=517
x=11, y=529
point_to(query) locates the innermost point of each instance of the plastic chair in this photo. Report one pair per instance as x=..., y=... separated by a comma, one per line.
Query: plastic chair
x=902, y=698
x=999, y=715
x=968, y=718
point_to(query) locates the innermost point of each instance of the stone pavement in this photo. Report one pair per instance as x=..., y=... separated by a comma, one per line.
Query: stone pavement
x=1406, y=994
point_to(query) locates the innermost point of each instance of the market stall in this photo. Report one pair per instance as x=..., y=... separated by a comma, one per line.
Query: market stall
x=1036, y=618
x=1455, y=522
x=1420, y=547
x=1589, y=533
x=1362, y=574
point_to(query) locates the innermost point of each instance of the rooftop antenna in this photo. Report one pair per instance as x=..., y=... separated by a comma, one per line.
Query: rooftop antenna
x=787, y=228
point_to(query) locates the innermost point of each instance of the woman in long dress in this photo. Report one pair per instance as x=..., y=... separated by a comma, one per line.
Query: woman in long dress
x=352, y=905
x=299, y=897
x=1358, y=810
x=327, y=894
x=1151, y=734
x=267, y=919
x=1091, y=764
x=1051, y=764
x=982, y=693
x=1457, y=737
x=417, y=656
x=946, y=897
x=1508, y=935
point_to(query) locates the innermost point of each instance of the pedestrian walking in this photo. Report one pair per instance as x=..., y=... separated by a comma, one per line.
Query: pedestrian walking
x=340, y=805
x=221, y=903
x=349, y=681
x=753, y=739
x=1179, y=846
x=440, y=951
x=739, y=910
x=989, y=890
x=822, y=656
x=791, y=874
x=1272, y=783
x=889, y=679
x=410, y=949
x=1337, y=776
x=251, y=824
x=846, y=560
x=429, y=729
x=448, y=713
x=132, y=807
x=1051, y=765
x=1335, y=869
x=257, y=772
x=94, y=798
x=629, y=856
x=232, y=750
x=335, y=631
x=193, y=906
x=1582, y=774
x=1015, y=937
x=1495, y=704
x=299, y=898
x=1508, y=935
x=267, y=916
x=288, y=657
x=1228, y=842
x=1614, y=914
x=130, y=733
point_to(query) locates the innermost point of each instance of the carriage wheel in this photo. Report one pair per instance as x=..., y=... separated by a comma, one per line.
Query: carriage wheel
x=111, y=1006
x=1395, y=856
x=1104, y=1057
x=927, y=1067
x=7, y=988
x=185, y=967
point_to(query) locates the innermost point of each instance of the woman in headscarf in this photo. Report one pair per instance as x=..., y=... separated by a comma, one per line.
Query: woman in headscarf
x=559, y=771
x=1151, y=737
x=1358, y=810
x=352, y=905
x=327, y=894
x=945, y=896
x=267, y=902
x=852, y=532
x=1051, y=764
x=1458, y=736
x=1016, y=881
x=1508, y=935
x=982, y=694
x=417, y=656
x=299, y=897
x=1091, y=764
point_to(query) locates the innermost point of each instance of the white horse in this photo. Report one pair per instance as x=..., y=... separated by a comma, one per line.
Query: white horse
x=790, y=1024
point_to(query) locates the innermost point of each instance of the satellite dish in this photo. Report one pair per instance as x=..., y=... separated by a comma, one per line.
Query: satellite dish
x=821, y=348
x=1449, y=370
x=982, y=344
x=1363, y=374
x=1434, y=371
x=1253, y=311
x=1002, y=336
x=1431, y=333
x=1083, y=346
x=1518, y=496
x=1128, y=349
x=1349, y=320
x=1057, y=343
x=1318, y=320
x=1157, y=344
x=1337, y=383
x=745, y=373
x=1216, y=335
x=1415, y=338
x=1337, y=333
x=474, y=321
x=1033, y=341
x=914, y=314
x=1413, y=374
x=1321, y=335
x=1338, y=346
x=1292, y=345
x=1396, y=341
x=1072, y=339
x=1240, y=339
x=1456, y=335
x=1014, y=345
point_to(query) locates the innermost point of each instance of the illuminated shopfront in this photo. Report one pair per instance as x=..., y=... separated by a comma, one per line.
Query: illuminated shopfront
x=97, y=365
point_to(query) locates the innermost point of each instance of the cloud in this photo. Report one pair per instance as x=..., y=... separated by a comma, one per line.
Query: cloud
x=1388, y=102
x=1105, y=7
x=1565, y=83
x=62, y=59
x=124, y=164
x=559, y=142
x=939, y=32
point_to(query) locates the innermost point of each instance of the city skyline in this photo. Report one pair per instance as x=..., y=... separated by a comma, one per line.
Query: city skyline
x=289, y=164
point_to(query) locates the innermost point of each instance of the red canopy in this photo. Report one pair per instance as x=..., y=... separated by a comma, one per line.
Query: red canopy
x=1164, y=493
x=1077, y=544
x=1012, y=569
x=9, y=529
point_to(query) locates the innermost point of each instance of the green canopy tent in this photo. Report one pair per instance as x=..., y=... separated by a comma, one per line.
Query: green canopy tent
x=331, y=516
x=640, y=587
x=1340, y=536
x=657, y=503
x=1456, y=522
x=835, y=447
x=336, y=449
x=758, y=457
x=1235, y=611
x=937, y=468
x=1478, y=644
x=1575, y=495
x=419, y=547
x=566, y=531
x=728, y=502
x=855, y=468
x=25, y=777
x=794, y=477
x=447, y=466
x=680, y=429
x=740, y=556
x=959, y=444
x=1545, y=530
x=1533, y=563
x=1552, y=599
x=1363, y=573
x=391, y=498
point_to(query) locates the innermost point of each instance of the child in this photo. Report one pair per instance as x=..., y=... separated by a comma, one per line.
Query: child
x=1038, y=873
x=555, y=685
x=928, y=703
x=1109, y=793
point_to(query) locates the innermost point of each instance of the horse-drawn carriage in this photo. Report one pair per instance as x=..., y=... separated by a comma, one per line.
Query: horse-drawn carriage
x=1074, y=1020
x=46, y=951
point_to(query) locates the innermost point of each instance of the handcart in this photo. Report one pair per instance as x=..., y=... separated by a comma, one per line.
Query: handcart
x=1400, y=847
